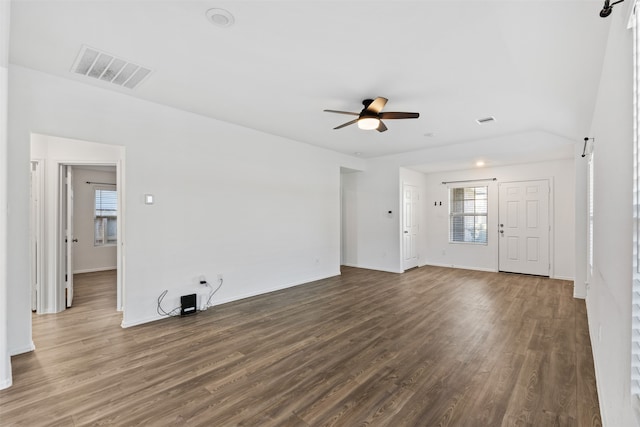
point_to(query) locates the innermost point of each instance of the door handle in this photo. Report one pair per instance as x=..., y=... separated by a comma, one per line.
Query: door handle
x=75, y=240
x=406, y=232
x=501, y=231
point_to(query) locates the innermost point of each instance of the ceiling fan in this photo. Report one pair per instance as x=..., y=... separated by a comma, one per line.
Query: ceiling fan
x=371, y=115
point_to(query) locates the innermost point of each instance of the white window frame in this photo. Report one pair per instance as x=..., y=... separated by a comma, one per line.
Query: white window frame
x=463, y=214
x=105, y=241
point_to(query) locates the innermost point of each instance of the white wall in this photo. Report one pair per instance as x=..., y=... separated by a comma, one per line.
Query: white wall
x=261, y=210
x=609, y=295
x=373, y=238
x=439, y=251
x=5, y=360
x=86, y=256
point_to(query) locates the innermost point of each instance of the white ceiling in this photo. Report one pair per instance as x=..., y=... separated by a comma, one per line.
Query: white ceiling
x=533, y=65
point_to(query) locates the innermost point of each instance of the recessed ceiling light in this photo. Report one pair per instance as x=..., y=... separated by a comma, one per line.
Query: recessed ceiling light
x=486, y=120
x=220, y=17
x=429, y=134
x=480, y=163
x=357, y=153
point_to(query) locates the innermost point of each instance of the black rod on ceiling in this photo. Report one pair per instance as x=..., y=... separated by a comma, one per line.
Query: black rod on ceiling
x=586, y=139
x=100, y=183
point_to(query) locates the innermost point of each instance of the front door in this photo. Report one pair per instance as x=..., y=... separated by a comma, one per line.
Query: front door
x=410, y=226
x=524, y=228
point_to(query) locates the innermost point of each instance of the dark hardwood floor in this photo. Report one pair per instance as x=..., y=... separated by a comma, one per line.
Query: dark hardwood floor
x=431, y=347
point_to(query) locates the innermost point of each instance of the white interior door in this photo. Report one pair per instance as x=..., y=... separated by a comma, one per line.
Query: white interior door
x=36, y=230
x=69, y=239
x=411, y=199
x=524, y=228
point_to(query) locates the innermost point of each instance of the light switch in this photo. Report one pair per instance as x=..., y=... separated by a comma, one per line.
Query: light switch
x=148, y=199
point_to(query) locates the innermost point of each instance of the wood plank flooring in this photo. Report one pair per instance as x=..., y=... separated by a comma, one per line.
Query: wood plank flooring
x=430, y=347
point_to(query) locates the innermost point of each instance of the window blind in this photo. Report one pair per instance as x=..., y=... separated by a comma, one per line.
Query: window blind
x=468, y=214
x=106, y=202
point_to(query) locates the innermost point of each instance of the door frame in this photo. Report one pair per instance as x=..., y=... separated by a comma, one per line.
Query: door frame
x=51, y=289
x=65, y=232
x=61, y=253
x=551, y=221
x=37, y=216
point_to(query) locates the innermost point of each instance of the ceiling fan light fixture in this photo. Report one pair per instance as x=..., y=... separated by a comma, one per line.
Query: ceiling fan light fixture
x=369, y=123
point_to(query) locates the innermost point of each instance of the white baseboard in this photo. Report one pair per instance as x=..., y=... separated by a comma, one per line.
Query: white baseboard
x=137, y=322
x=462, y=267
x=20, y=350
x=579, y=295
x=93, y=270
x=128, y=324
x=6, y=383
x=366, y=267
x=570, y=279
x=274, y=289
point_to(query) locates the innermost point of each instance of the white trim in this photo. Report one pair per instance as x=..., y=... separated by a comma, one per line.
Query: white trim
x=461, y=267
x=94, y=270
x=21, y=350
x=368, y=267
x=567, y=278
x=310, y=280
x=579, y=295
x=6, y=383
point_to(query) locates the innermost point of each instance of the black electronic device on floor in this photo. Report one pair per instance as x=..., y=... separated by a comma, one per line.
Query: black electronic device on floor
x=188, y=305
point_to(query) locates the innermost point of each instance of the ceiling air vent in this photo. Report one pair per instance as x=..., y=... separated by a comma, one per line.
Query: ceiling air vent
x=108, y=68
x=486, y=120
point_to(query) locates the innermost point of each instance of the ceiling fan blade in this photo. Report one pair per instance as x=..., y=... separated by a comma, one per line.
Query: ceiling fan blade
x=381, y=127
x=377, y=105
x=342, y=112
x=399, y=115
x=345, y=124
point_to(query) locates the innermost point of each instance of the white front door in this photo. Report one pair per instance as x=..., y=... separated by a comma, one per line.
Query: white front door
x=410, y=226
x=524, y=228
x=69, y=239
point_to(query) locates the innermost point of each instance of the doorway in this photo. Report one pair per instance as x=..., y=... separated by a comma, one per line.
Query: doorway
x=89, y=223
x=524, y=227
x=59, y=166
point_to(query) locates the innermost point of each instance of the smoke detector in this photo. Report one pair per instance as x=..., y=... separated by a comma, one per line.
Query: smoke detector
x=103, y=66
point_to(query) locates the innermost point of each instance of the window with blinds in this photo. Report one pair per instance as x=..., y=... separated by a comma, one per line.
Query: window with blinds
x=105, y=223
x=468, y=208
